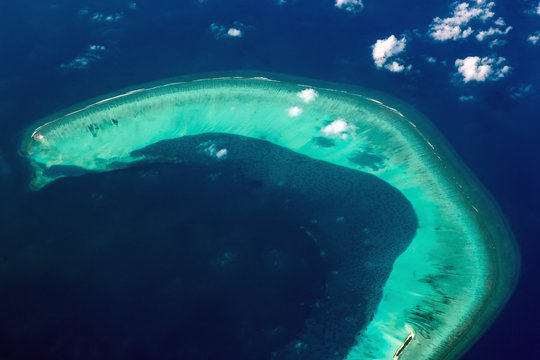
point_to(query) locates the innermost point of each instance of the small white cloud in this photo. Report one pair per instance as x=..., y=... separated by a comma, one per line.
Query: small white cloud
x=234, y=32
x=456, y=26
x=80, y=62
x=105, y=18
x=394, y=66
x=492, y=31
x=443, y=32
x=222, y=154
x=387, y=48
x=96, y=48
x=534, y=38
x=353, y=6
x=99, y=17
x=535, y=10
x=132, y=6
x=431, y=59
x=221, y=31
x=465, y=98
x=211, y=150
x=307, y=95
x=474, y=68
x=92, y=54
x=294, y=111
x=500, y=22
x=339, y=128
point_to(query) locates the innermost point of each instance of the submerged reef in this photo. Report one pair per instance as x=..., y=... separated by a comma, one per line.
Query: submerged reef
x=446, y=285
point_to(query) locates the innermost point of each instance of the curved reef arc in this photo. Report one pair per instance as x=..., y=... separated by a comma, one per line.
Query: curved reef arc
x=462, y=263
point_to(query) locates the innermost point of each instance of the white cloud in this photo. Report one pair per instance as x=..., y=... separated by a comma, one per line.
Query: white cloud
x=99, y=17
x=474, y=68
x=80, y=62
x=339, y=128
x=465, y=98
x=387, y=48
x=534, y=38
x=221, y=31
x=500, y=22
x=307, y=95
x=443, y=32
x=349, y=5
x=455, y=27
x=211, y=150
x=90, y=55
x=222, y=154
x=535, y=10
x=234, y=32
x=394, y=66
x=96, y=48
x=105, y=18
x=492, y=31
x=294, y=111
x=132, y=6
x=431, y=59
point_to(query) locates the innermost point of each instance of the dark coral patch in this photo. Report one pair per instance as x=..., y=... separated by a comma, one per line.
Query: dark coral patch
x=367, y=159
x=323, y=142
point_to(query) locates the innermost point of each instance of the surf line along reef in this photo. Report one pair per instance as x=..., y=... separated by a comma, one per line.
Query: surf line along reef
x=443, y=290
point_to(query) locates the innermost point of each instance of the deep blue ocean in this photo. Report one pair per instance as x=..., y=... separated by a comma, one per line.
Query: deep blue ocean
x=54, y=54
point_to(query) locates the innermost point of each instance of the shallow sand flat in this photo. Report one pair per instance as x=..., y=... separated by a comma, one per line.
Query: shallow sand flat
x=445, y=288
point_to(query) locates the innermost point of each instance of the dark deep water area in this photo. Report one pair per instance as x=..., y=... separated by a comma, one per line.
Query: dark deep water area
x=199, y=258
x=158, y=261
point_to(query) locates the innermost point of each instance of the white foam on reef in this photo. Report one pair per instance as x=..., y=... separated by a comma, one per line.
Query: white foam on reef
x=445, y=288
